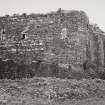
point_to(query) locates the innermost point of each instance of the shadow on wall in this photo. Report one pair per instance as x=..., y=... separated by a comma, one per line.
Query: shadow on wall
x=93, y=70
x=11, y=70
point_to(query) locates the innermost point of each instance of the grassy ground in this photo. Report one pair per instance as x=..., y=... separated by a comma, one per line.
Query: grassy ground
x=89, y=101
x=52, y=91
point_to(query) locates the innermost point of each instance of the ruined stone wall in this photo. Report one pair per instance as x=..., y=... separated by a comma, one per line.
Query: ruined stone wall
x=97, y=49
x=62, y=36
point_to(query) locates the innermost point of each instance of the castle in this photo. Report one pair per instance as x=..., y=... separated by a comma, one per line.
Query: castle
x=63, y=36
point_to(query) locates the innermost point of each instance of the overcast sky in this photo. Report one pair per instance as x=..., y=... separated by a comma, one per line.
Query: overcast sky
x=95, y=9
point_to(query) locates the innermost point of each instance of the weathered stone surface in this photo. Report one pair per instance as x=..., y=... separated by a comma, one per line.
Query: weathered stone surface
x=62, y=36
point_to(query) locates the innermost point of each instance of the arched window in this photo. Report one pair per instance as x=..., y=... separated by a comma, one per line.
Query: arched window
x=3, y=32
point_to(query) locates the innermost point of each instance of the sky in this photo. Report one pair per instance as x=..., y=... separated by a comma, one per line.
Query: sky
x=93, y=8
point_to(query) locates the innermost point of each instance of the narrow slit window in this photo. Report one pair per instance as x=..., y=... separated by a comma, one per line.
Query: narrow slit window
x=3, y=32
x=23, y=36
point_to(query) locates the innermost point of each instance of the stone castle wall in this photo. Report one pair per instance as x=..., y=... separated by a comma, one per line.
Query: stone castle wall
x=61, y=36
